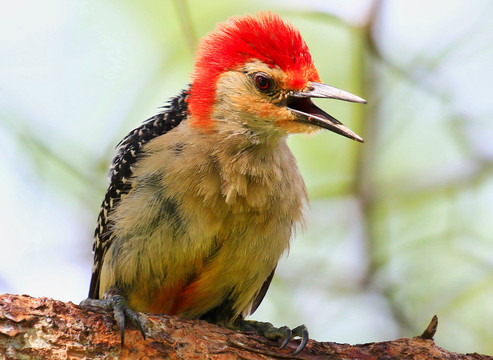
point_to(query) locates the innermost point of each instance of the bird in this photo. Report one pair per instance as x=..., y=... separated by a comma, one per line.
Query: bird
x=204, y=197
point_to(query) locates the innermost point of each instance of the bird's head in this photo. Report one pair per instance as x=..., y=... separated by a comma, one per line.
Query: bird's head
x=257, y=74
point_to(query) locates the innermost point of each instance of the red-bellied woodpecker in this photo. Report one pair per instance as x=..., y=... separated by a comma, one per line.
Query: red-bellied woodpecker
x=204, y=197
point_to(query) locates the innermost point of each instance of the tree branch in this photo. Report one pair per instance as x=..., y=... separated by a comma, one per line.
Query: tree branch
x=41, y=328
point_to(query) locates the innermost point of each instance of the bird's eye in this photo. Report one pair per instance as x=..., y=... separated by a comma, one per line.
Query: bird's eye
x=263, y=82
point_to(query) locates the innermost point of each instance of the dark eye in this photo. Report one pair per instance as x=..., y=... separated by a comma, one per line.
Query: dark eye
x=263, y=82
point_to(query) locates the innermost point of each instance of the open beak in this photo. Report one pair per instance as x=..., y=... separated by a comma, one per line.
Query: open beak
x=301, y=104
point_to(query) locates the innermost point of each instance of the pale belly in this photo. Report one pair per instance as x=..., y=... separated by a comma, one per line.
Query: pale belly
x=197, y=236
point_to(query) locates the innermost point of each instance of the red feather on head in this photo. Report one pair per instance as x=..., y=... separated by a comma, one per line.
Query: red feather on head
x=265, y=37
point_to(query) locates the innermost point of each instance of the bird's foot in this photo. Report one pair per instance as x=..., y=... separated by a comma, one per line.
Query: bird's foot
x=121, y=311
x=270, y=332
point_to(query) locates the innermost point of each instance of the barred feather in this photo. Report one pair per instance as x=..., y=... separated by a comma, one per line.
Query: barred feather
x=128, y=152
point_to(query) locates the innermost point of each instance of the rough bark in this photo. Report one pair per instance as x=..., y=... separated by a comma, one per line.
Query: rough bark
x=41, y=328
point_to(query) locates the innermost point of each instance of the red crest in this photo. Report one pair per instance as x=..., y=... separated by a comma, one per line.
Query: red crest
x=265, y=37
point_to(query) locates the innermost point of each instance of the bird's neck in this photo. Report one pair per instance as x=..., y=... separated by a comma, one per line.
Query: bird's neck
x=245, y=142
x=245, y=160
x=233, y=138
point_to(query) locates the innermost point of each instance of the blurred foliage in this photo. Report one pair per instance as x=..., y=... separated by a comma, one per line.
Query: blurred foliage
x=400, y=227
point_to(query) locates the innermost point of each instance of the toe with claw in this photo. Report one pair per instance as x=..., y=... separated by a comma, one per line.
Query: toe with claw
x=270, y=332
x=121, y=311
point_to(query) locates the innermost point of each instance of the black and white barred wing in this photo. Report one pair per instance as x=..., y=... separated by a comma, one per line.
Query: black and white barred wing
x=128, y=152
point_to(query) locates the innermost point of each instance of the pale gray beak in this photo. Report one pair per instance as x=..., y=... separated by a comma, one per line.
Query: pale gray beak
x=301, y=104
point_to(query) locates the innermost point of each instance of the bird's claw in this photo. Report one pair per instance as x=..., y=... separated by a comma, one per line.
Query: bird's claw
x=287, y=338
x=270, y=332
x=302, y=332
x=121, y=311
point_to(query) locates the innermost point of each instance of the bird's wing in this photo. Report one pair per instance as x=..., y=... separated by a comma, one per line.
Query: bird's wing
x=129, y=150
x=262, y=292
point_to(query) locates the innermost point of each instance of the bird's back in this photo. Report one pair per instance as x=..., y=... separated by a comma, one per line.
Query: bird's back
x=128, y=152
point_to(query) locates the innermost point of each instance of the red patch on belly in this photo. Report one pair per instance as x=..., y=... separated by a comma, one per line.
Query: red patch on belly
x=164, y=300
x=188, y=298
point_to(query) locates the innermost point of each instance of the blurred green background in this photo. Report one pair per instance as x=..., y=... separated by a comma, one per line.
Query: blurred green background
x=400, y=227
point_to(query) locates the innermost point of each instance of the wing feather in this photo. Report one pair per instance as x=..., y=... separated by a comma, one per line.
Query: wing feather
x=128, y=152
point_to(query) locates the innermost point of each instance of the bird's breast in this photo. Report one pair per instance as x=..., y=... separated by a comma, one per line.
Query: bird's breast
x=216, y=219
